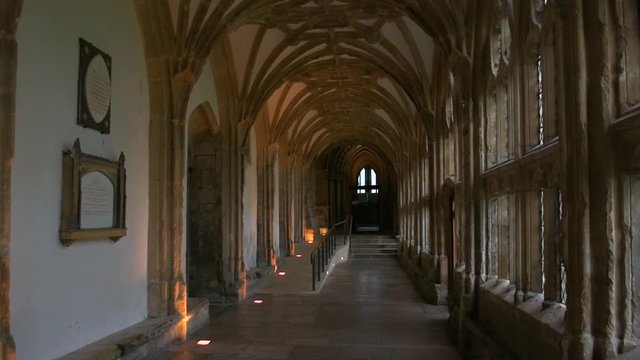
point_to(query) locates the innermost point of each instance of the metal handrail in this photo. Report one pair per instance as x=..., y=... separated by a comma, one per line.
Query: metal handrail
x=322, y=254
x=350, y=230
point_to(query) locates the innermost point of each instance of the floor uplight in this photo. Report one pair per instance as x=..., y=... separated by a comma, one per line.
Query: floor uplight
x=204, y=342
x=257, y=301
x=282, y=273
x=298, y=256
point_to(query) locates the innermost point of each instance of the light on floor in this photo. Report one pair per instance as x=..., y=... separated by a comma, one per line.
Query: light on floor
x=342, y=258
x=298, y=256
x=282, y=273
x=258, y=301
x=204, y=342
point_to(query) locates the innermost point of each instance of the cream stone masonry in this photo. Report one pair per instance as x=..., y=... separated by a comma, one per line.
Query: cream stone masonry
x=504, y=135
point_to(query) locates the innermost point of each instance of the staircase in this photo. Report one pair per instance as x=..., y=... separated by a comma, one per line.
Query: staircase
x=373, y=246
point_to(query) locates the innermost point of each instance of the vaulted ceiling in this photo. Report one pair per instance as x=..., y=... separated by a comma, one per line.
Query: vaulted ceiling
x=339, y=71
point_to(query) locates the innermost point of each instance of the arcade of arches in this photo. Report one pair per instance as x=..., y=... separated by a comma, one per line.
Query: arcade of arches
x=498, y=140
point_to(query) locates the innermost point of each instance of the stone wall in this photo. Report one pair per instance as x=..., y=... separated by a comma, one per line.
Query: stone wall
x=65, y=297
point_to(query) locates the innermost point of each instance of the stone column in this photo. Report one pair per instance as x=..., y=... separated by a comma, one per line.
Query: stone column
x=474, y=156
x=419, y=197
x=169, y=90
x=576, y=184
x=283, y=176
x=234, y=271
x=264, y=218
x=604, y=192
x=468, y=177
x=300, y=225
x=9, y=16
x=167, y=289
x=417, y=233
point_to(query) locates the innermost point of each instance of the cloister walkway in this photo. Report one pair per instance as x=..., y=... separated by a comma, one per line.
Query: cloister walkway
x=367, y=309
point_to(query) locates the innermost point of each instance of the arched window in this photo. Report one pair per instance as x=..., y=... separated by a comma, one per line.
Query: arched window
x=374, y=183
x=362, y=182
x=367, y=181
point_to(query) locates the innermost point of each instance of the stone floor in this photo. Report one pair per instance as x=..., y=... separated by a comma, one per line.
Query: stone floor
x=367, y=309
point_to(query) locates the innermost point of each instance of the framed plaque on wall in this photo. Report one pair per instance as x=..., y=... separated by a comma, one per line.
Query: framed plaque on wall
x=94, y=88
x=93, y=197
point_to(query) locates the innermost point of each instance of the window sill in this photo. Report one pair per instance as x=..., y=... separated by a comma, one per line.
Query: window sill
x=546, y=314
x=540, y=153
x=625, y=134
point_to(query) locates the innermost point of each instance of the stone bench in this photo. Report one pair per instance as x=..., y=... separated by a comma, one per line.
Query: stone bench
x=144, y=338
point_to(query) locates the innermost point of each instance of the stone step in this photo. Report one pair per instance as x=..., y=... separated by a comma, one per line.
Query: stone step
x=373, y=241
x=372, y=253
x=374, y=256
x=374, y=246
x=381, y=245
x=373, y=238
x=359, y=236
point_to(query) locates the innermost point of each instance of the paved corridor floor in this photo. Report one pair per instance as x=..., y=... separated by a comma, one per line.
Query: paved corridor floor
x=367, y=309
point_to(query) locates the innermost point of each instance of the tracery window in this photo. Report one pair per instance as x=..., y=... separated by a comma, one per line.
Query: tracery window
x=367, y=181
x=523, y=231
x=539, y=88
x=625, y=138
x=546, y=266
x=628, y=18
x=501, y=246
x=633, y=217
x=498, y=125
x=362, y=181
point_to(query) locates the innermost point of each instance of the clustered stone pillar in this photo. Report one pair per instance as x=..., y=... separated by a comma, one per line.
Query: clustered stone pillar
x=174, y=63
x=263, y=255
x=578, y=299
x=298, y=215
x=234, y=271
x=283, y=180
x=9, y=16
x=233, y=260
x=168, y=73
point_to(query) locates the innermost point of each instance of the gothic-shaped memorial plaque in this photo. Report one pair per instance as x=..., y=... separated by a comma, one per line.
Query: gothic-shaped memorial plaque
x=94, y=88
x=93, y=197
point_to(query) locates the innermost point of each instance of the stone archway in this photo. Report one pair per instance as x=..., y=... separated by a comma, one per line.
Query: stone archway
x=362, y=157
